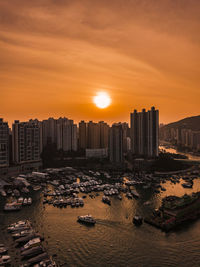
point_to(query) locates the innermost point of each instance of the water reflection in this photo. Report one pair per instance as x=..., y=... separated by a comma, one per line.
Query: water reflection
x=114, y=240
x=173, y=150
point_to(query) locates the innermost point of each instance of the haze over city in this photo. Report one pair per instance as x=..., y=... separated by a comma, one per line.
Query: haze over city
x=57, y=55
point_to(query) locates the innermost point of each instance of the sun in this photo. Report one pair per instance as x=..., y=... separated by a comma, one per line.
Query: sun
x=102, y=100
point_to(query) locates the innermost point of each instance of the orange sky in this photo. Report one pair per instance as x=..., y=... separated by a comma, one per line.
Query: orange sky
x=55, y=56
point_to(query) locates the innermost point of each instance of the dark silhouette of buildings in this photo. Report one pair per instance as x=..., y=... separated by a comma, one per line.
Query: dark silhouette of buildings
x=145, y=132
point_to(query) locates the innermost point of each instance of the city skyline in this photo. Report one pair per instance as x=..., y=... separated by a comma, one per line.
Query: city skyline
x=31, y=139
x=88, y=120
x=55, y=57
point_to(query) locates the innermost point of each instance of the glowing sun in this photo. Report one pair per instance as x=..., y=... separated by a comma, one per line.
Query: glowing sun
x=102, y=100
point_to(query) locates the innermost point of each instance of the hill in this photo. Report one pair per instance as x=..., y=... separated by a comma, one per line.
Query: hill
x=192, y=123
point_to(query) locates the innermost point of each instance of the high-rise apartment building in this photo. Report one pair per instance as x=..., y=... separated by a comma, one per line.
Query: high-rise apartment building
x=93, y=135
x=104, y=134
x=49, y=131
x=145, y=132
x=82, y=135
x=66, y=135
x=26, y=141
x=116, y=143
x=195, y=140
x=126, y=139
x=4, y=143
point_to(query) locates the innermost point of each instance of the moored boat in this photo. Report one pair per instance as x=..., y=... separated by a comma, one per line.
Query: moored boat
x=29, y=201
x=14, y=206
x=137, y=220
x=32, y=252
x=25, y=201
x=31, y=243
x=5, y=259
x=38, y=258
x=106, y=200
x=87, y=219
x=3, y=250
x=135, y=194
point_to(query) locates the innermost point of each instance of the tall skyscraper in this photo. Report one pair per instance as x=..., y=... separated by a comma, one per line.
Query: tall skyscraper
x=82, y=135
x=49, y=131
x=145, y=132
x=104, y=134
x=66, y=135
x=4, y=143
x=116, y=143
x=93, y=135
x=125, y=129
x=26, y=141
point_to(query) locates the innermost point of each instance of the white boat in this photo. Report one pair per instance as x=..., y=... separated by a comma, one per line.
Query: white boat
x=137, y=220
x=88, y=219
x=19, y=223
x=3, y=193
x=37, y=188
x=25, y=201
x=29, y=202
x=3, y=250
x=20, y=200
x=14, y=206
x=32, y=243
x=22, y=233
x=5, y=259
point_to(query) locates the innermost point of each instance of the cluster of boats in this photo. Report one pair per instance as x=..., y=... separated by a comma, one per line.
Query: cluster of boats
x=84, y=187
x=14, y=192
x=17, y=205
x=65, y=191
x=64, y=202
x=29, y=243
x=188, y=182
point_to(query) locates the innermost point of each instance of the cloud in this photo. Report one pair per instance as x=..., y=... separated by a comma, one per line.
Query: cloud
x=149, y=50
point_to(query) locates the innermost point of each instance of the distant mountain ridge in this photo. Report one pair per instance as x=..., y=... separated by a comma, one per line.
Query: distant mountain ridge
x=192, y=123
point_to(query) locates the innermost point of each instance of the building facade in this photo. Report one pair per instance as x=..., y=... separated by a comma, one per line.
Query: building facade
x=66, y=135
x=49, y=133
x=116, y=143
x=104, y=134
x=26, y=141
x=4, y=144
x=82, y=135
x=145, y=132
x=183, y=137
x=97, y=153
x=93, y=135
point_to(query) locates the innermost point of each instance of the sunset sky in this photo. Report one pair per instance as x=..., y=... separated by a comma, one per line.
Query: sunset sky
x=55, y=55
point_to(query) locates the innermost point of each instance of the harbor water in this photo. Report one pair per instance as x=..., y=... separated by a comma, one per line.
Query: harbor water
x=114, y=240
